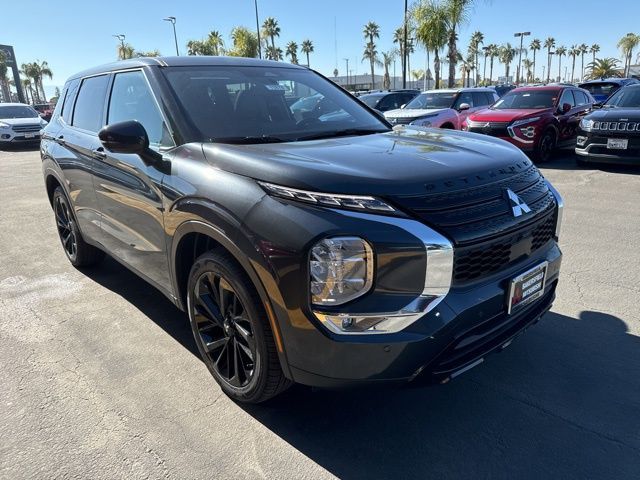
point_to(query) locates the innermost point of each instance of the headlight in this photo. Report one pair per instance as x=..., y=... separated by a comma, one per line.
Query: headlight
x=351, y=202
x=4, y=125
x=586, y=124
x=341, y=269
x=525, y=121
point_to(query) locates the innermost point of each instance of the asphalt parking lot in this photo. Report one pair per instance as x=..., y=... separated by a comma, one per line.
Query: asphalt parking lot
x=100, y=376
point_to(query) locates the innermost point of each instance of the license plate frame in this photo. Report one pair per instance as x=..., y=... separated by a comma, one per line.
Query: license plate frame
x=617, y=143
x=527, y=287
x=29, y=135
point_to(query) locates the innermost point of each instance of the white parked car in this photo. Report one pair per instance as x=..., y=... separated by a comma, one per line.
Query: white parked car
x=19, y=123
x=447, y=108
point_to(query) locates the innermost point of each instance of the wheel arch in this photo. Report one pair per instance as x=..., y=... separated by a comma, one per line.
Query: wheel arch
x=194, y=237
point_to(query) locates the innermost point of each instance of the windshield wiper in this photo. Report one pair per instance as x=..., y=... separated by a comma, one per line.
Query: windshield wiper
x=249, y=139
x=342, y=133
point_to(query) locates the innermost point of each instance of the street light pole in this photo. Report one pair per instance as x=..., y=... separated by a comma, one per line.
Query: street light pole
x=121, y=37
x=404, y=49
x=175, y=37
x=347, y=62
x=521, y=35
x=255, y=2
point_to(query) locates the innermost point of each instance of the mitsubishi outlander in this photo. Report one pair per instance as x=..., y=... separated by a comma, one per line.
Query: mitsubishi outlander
x=323, y=246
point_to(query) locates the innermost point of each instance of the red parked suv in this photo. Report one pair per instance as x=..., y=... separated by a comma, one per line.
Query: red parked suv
x=536, y=119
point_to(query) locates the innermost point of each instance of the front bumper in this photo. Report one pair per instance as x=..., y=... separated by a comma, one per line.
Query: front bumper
x=526, y=145
x=594, y=148
x=9, y=136
x=468, y=325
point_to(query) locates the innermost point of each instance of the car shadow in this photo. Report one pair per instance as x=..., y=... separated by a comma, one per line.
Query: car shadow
x=563, y=401
x=566, y=160
x=20, y=147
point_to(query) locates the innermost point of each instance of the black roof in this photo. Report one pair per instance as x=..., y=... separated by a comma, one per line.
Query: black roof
x=186, y=61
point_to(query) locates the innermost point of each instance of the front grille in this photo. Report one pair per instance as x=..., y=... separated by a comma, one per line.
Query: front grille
x=621, y=127
x=27, y=128
x=495, y=129
x=479, y=220
x=401, y=120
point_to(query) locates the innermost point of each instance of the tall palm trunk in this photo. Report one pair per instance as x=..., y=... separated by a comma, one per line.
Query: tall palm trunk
x=308, y=59
x=491, y=71
x=534, y=65
x=436, y=68
x=452, y=57
x=560, y=67
x=548, y=65
x=573, y=68
x=582, y=69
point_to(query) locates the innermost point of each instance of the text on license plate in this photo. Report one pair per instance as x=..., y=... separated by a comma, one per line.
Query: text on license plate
x=617, y=143
x=527, y=287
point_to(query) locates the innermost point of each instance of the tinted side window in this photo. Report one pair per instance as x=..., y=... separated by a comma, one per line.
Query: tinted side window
x=464, y=97
x=479, y=99
x=390, y=102
x=67, y=107
x=132, y=99
x=581, y=98
x=406, y=98
x=491, y=98
x=567, y=97
x=87, y=113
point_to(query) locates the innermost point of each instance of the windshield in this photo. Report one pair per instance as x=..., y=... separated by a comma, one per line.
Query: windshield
x=247, y=104
x=18, y=111
x=528, y=99
x=429, y=100
x=625, y=98
x=600, y=88
x=370, y=100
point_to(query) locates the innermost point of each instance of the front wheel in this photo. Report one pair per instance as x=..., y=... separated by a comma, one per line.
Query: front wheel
x=545, y=147
x=232, y=331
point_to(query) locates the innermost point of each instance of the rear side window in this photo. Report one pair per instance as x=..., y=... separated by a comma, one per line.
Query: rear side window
x=464, y=97
x=491, y=98
x=132, y=99
x=567, y=97
x=581, y=97
x=479, y=99
x=70, y=96
x=390, y=102
x=88, y=112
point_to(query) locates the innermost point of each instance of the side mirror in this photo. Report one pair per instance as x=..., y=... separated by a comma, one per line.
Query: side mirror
x=565, y=107
x=128, y=137
x=597, y=106
x=403, y=105
x=464, y=106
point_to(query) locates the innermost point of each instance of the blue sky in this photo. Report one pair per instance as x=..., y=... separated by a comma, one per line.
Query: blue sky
x=76, y=34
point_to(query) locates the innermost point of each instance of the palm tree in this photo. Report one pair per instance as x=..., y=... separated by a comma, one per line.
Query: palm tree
x=534, y=47
x=430, y=18
x=492, y=52
x=307, y=48
x=292, y=51
x=595, y=48
x=627, y=44
x=549, y=43
x=149, y=53
x=271, y=29
x=216, y=43
x=583, y=50
x=28, y=89
x=245, y=43
x=574, y=52
x=125, y=51
x=371, y=31
x=506, y=55
x=604, y=68
x=477, y=38
x=560, y=52
x=527, y=65
x=387, y=60
x=43, y=71
x=457, y=14
x=274, y=53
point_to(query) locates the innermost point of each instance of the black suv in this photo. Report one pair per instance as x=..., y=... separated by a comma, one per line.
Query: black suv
x=328, y=250
x=388, y=100
x=611, y=134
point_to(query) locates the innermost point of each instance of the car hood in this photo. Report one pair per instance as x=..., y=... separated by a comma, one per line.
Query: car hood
x=398, y=162
x=21, y=121
x=494, y=115
x=623, y=114
x=412, y=112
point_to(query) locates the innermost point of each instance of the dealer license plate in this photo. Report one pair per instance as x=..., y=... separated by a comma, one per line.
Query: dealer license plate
x=617, y=143
x=527, y=287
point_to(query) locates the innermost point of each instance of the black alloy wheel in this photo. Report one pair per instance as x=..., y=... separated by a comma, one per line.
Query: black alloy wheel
x=225, y=331
x=545, y=147
x=232, y=330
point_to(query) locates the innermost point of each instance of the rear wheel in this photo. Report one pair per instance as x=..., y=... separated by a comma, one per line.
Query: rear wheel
x=232, y=331
x=545, y=147
x=79, y=253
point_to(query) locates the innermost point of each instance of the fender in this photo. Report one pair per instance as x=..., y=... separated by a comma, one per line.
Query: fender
x=200, y=226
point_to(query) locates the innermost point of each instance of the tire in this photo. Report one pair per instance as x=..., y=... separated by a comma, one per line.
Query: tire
x=545, y=147
x=232, y=331
x=79, y=253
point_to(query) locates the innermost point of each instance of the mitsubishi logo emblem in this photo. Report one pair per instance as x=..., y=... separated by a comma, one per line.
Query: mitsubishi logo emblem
x=518, y=206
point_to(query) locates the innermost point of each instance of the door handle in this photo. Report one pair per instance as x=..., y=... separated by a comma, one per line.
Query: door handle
x=100, y=153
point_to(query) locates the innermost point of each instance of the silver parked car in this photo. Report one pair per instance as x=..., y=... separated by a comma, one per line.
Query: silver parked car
x=19, y=123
